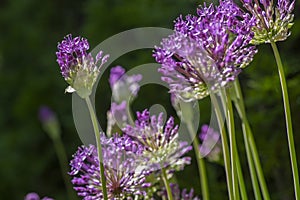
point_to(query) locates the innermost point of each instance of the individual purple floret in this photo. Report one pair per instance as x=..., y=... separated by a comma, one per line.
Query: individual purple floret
x=211, y=143
x=123, y=177
x=123, y=87
x=272, y=22
x=179, y=195
x=35, y=196
x=207, y=51
x=77, y=66
x=162, y=148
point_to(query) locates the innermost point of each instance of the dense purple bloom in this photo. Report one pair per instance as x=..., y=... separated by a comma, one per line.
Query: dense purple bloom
x=123, y=177
x=211, y=143
x=123, y=86
x=179, y=195
x=70, y=53
x=272, y=22
x=35, y=196
x=77, y=66
x=207, y=51
x=162, y=148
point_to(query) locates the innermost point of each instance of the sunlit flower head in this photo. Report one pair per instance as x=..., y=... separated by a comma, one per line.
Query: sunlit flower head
x=160, y=141
x=123, y=178
x=207, y=51
x=77, y=66
x=272, y=21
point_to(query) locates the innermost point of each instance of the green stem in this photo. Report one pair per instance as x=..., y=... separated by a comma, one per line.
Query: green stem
x=253, y=173
x=167, y=184
x=62, y=158
x=99, y=147
x=225, y=147
x=288, y=120
x=240, y=177
x=200, y=162
x=250, y=147
x=232, y=141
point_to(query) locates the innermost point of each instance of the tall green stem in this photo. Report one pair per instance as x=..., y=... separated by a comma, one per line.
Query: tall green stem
x=200, y=162
x=288, y=120
x=99, y=147
x=250, y=146
x=225, y=147
x=167, y=184
x=240, y=178
x=232, y=142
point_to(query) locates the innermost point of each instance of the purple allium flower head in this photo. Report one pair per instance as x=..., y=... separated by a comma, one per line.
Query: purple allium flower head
x=77, y=66
x=123, y=86
x=211, y=143
x=207, y=51
x=35, y=196
x=123, y=176
x=272, y=22
x=162, y=148
x=177, y=194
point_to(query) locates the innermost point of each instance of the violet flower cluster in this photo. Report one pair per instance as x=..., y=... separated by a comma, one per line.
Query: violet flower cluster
x=142, y=150
x=124, y=179
x=272, y=22
x=207, y=51
x=78, y=67
x=162, y=146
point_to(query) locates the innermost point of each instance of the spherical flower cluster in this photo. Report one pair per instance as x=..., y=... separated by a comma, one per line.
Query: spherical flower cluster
x=162, y=147
x=77, y=66
x=207, y=51
x=272, y=22
x=124, y=179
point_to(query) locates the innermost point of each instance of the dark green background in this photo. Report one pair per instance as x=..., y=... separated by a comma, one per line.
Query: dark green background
x=30, y=77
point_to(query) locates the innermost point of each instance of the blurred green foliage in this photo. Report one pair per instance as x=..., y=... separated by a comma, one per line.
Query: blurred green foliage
x=30, y=77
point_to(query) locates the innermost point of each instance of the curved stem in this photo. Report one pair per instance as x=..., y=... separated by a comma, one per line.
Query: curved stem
x=288, y=120
x=225, y=147
x=167, y=184
x=99, y=147
x=200, y=162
